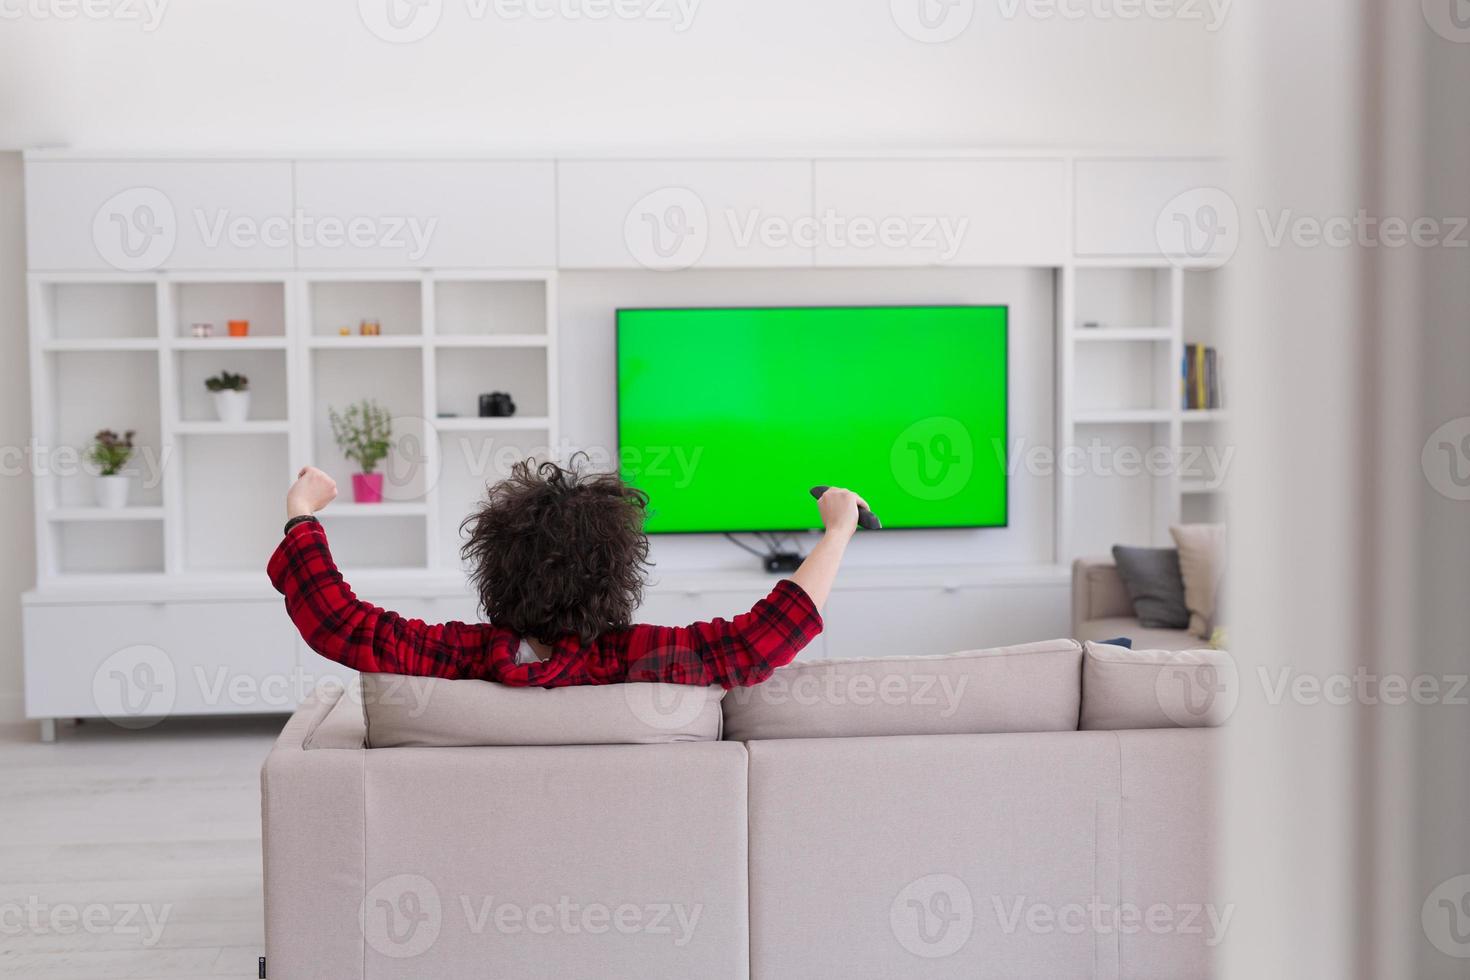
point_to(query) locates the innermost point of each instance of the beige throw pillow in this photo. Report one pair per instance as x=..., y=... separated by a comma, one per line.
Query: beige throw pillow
x=1202, y=564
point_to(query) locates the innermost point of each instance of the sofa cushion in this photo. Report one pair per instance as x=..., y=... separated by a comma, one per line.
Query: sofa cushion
x=429, y=711
x=1202, y=565
x=1029, y=688
x=1155, y=585
x=1125, y=689
x=342, y=726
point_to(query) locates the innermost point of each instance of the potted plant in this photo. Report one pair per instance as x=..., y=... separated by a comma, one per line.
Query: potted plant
x=231, y=396
x=364, y=433
x=110, y=453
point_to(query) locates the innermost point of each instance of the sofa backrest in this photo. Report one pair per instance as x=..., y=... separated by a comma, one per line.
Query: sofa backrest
x=1126, y=689
x=984, y=856
x=431, y=711
x=1035, y=687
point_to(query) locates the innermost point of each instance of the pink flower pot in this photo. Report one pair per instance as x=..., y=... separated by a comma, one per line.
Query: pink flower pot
x=367, y=488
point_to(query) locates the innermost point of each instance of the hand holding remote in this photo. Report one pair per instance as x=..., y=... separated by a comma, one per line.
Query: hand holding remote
x=865, y=518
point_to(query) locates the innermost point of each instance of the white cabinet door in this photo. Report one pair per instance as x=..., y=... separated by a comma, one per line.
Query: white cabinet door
x=678, y=214
x=426, y=214
x=1152, y=207
x=136, y=661
x=941, y=212
x=919, y=622
x=148, y=215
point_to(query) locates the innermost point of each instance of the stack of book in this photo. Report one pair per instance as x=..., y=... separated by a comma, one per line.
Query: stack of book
x=1201, y=377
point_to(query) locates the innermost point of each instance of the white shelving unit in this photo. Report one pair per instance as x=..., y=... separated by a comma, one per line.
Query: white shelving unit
x=1135, y=461
x=475, y=310
x=116, y=351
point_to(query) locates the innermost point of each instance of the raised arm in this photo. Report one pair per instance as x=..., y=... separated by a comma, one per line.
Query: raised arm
x=746, y=650
x=839, y=509
x=332, y=620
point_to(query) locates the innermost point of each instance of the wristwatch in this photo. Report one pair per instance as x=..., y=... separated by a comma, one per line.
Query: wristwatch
x=301, y=519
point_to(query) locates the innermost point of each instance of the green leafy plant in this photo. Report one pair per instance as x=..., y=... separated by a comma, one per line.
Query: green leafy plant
x=225, y=381
x=364, y=432
x=110, y=452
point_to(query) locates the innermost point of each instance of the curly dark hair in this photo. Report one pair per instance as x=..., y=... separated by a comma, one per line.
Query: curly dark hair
x=556, y=551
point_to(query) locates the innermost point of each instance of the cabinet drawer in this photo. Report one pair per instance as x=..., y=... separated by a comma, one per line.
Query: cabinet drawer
x=131, y=661
x=434, y=213
x=943, y=212
x=1121, y=207
x=148, y=215
x=668, y=214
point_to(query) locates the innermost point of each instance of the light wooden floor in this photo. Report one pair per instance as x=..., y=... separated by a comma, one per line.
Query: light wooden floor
x=164, y=821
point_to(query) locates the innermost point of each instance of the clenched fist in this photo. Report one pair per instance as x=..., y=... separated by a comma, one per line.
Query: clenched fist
x=839, y=510
x=312, y=491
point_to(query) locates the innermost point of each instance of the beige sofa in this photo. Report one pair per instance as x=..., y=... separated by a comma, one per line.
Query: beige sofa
x=956, y=816
x=1101, y=610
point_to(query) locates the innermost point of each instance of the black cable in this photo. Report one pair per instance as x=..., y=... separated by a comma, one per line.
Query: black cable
x=745, y=547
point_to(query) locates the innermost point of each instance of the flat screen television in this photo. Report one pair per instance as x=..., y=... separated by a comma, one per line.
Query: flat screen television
x=726, y=416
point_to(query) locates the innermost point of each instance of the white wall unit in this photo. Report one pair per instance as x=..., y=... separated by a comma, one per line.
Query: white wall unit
x=147, y=659
x=145, y=215
x=481, y=309
x=675, y=214
x=1139, y=461
x=942, y=212
x=427, y=214
x=1119, y=203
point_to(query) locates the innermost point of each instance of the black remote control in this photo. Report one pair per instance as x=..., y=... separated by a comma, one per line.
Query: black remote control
x=866, y=518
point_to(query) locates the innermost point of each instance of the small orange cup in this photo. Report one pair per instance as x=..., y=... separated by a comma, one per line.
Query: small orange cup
x=239, y=328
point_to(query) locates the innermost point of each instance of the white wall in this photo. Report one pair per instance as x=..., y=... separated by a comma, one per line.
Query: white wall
x=587, y=301
x=17, y=571
x=280, y=75
x=283, y=77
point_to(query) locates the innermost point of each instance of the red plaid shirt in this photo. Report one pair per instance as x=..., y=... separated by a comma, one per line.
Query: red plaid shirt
x=341, y=627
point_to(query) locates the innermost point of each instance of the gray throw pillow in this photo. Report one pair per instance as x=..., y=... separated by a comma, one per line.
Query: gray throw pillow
x=1155, y=584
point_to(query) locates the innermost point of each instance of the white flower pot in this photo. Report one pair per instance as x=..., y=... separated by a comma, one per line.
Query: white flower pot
x=232, y=406
x=112, y=491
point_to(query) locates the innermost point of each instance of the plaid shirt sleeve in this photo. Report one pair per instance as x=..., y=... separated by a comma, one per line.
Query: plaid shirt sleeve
x=737, y=652
x=341, y=627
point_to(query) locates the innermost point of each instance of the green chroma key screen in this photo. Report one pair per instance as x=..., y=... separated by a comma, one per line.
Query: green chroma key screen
x=726, y=417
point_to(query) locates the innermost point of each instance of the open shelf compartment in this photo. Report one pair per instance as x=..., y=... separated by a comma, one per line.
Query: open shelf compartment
x=464, y=375
x=465, y=309
x=121, y=393
x=337, y=305
x=231, y=503
x=262, y=305
x=95, y=311
x=265, y=370
x=1126, y=299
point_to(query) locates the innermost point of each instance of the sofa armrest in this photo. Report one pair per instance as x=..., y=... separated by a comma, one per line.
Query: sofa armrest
x=1097, y=592
x=313, y=829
